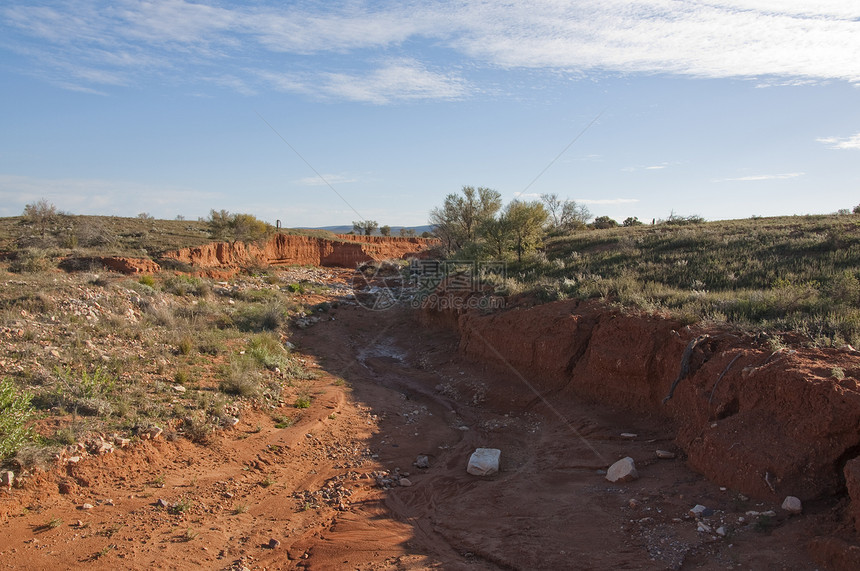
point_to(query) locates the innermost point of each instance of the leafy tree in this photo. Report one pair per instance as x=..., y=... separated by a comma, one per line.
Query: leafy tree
x=497, y=236
x=385, y=230
x=366, y=227
x=246, y=228
x=602, y=222
x=456, y=223
x=525, y=221
x=631, y=221
x=407, y=232
x=564, y=216
x=238, y=227
x=856, y=209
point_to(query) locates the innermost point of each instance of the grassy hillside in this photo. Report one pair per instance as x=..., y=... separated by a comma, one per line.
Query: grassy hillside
x=110, y=235
x=795, y=273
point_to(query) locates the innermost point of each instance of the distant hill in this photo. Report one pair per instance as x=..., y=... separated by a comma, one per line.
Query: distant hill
x=395, y=230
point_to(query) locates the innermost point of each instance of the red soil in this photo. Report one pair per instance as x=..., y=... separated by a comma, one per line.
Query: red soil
x=563, y=389
x=285, y=249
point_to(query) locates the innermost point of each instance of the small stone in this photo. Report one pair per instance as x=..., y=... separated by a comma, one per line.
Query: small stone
x=109, y=502
x=633, y=503
x=179, y=389
x=422, y=462
x=87, y=507
x=721, y=531
x=623, y=471
x=704, y=528
x=792, y=505
x=274, y=543
x=698, y=510
x=665, y=454
x=161, y=502
x=405, y=482
x=628, y=435
x=484, y=462
x=7, y=478
x=155, y=432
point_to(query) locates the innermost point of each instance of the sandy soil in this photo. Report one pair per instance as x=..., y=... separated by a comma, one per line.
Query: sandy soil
x=339, y=489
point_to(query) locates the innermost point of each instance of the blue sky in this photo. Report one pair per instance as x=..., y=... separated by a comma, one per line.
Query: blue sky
x=318, y=113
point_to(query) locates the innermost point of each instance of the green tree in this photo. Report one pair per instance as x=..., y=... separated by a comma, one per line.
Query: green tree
x=602, y=222
x=366, y=227
x=525, y=222
x=456, y=223
x=631, y=221
x=497, y=236
x=407, y=232
x=385, y=230
x=238, y=227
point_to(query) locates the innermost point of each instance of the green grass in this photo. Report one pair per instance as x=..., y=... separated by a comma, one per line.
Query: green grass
x=799, y=273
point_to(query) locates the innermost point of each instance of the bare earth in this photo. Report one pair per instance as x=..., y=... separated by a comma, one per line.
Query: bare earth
x=339, y=489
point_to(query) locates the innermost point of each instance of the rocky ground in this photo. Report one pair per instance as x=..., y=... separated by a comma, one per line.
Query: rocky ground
x=372, y=474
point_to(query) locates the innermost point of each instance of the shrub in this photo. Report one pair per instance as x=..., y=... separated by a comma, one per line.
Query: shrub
x=29, y=260
x=241, y=379
x=15, y=412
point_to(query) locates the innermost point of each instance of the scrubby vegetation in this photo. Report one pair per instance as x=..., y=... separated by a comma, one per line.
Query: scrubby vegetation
x=86, y=354
x=793, y=274
x=798, y=274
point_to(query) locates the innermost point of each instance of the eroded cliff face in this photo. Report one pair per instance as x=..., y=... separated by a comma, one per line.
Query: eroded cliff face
x=284, y=249
x=768, y=424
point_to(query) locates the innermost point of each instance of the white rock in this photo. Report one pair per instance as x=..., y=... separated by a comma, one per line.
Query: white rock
x=405, y=482
x=628, y=435
x=704, y=528
x=484, y=462
x=698, y=510
x=665, y=454
x=623, y=471
x=721, y=531
x=7, y=478
x=792, y=505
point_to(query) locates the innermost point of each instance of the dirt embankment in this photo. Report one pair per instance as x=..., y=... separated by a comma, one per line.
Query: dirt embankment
x=284, y=249
x=766, y=423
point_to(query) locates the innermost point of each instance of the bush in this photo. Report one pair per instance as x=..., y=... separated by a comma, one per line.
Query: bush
x=29, y=260
x=242, y=379
x=15, y=412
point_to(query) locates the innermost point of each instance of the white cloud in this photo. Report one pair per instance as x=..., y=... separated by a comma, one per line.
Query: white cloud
x=852, y=142
x=606, y=200
x=758, y=177
x=95, y=42
x=87, y=196
x=396, y=80
x=326, y=180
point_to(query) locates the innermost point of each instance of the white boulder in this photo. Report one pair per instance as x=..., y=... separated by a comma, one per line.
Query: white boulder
x=484, y=462
x=623, y=471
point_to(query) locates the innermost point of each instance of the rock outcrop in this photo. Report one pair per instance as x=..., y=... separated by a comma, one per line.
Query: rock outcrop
x=287, y=249
x=765, y=423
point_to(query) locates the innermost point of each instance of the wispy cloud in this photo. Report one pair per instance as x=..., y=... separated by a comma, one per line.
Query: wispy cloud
x=842, y=143
x=85, y=196
x=606, y=200
x=758, y=177
x=329, y=179
x=93, y=43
